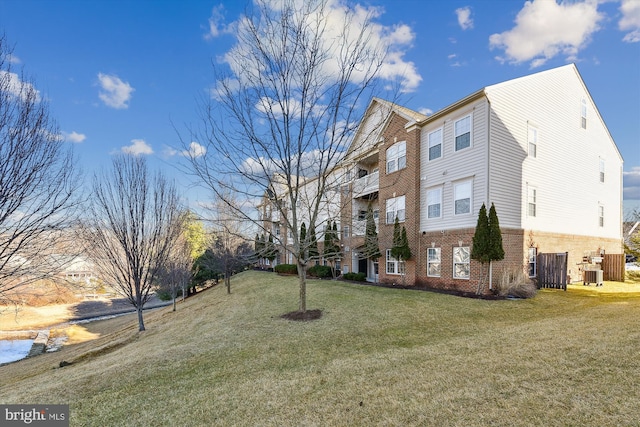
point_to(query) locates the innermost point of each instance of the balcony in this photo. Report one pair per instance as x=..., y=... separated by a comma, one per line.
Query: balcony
x=366, y=185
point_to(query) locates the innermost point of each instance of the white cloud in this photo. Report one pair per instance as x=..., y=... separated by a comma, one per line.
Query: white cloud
x=545, y=29
x=345, y=26
x=630, y=20
x=15, y=87
x=464, y=18
x=631, y=184
x=137, y=147
x=217, y=26
x=13, y=59
x=426, y=111
x=115, y=93
x=195, y=150
x=74, y=137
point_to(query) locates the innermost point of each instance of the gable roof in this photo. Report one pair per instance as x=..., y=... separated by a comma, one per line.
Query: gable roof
x=374, y=121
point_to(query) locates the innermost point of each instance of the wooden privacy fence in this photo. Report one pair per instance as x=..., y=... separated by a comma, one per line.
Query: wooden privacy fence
x=552, y=270
x=613, y=267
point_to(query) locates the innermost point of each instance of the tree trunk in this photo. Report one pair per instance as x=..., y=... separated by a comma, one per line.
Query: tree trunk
x=302, y=275
x=227, y=281
x=140, y=320
x=174, y=301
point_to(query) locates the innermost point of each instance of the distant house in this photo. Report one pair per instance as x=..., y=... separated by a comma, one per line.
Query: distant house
x=535, y=146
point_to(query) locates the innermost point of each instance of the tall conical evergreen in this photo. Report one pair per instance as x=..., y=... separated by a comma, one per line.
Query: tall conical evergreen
x=371, y=247
x=496, y=251
x=313, y=244
x=400, y=249
x=480, y=248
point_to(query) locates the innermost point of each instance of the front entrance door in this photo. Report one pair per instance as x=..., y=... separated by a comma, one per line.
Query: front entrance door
x=362, y=266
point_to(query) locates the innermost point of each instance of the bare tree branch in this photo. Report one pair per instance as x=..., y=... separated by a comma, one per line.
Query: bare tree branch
x=38, y=183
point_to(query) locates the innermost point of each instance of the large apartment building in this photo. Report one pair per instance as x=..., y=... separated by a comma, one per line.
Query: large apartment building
x=535, y=147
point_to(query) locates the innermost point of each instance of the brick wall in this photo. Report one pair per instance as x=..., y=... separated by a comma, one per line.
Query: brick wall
x=402, y=182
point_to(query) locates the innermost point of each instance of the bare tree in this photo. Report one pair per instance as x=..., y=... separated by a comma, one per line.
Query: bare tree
x=38, y=183
x=280, y=121
x=134, y=221
x=177, y=272
x=230, y=246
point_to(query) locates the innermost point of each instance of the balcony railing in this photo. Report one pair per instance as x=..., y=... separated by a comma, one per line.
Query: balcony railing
x=366, y=185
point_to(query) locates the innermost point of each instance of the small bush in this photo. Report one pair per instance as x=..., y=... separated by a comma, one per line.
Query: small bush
x=286, y=269
x=356, y=277
x=513, y=282
x=633, y=275
x=320, y=271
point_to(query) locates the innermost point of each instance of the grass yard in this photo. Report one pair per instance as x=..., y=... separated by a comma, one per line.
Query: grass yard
x=377, y=356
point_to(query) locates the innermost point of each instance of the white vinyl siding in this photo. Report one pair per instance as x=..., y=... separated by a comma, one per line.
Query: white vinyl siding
x=454, y=166
x=462, y=197
x=395, y=208
x=461, y=262
x=462, y=129
x=434, y=203
x=435, y=144
x=397, y=157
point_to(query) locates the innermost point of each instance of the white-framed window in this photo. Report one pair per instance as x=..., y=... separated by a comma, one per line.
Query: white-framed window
x=601, y=170
x=601, y=216
x=435, y=144
x=393, y=265
x=462, y=129
x=395, y=208
x=434, y=262
x=583, y=114
x=397, y=157
x=346, y=231
x=533, y=142
x=345, y=269
x=434, y=203
x=461, y=262
x=532, y=201
x=462, y=197
x=533, y=256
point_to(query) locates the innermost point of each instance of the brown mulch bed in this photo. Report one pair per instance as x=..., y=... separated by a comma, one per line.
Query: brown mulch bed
x=303, y=316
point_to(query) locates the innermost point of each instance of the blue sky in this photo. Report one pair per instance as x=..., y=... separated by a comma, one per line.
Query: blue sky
x=126, y=76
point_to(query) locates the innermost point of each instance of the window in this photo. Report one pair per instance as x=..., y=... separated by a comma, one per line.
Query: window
x=462, y=198
x=601, y=216
x=395, y=208
x=601, y=170
x=583, y=114
x=433, y=262
x=533, y=142
x=533, y=254
x=434, y=203
x=435, y=144
x=461, y=262
x=397, y=157
x=393, y=265
x=532, y=201
x=376, y=214
x=463, y=133
x=345, y=231
x=362, y=215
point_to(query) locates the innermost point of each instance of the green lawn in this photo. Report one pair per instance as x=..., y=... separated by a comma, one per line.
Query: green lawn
x=377, y=357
